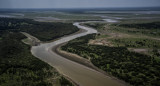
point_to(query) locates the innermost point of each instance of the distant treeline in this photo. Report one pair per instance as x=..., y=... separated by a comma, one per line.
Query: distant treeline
x=150, y=25
x=149, y=29
x=43, y=30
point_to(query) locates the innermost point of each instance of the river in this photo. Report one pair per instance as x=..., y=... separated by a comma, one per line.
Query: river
x=80, y=74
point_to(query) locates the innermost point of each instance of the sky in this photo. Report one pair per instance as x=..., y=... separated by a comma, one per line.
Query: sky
x=77, y=3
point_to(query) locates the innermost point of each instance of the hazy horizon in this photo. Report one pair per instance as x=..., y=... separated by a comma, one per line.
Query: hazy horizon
x=22, y=4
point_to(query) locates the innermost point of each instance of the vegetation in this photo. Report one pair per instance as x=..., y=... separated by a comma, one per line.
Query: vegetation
x=137, y=42
x=150, y=25
x=95, y=25
x=141, y=37
x=61, y=15
x=17, y=65
x=134, y=68
x=151, y=28
x=42, y=30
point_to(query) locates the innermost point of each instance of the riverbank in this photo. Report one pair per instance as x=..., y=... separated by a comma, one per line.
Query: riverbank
x=75, y=71
x=83, y=61
x=117, y=60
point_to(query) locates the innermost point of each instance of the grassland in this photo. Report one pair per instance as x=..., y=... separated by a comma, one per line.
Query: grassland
x=54, y=16
x=61, y=15
x=134, y=36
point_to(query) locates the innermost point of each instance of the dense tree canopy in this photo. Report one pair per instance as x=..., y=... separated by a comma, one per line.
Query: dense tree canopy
x=44, y=31
x=135, y=68
x=17, y=65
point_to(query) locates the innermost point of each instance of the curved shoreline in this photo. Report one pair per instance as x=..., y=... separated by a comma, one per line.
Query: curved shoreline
x=79, y=73
x=83, y=61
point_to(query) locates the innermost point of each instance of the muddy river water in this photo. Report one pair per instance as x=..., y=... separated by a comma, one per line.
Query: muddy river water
x=80, y=74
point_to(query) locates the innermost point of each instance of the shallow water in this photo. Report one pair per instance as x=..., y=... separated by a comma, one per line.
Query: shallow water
x=110, y=20
x=6, y=16
x=81, y=74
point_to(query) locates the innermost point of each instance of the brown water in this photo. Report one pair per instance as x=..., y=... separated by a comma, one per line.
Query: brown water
x=80, y=74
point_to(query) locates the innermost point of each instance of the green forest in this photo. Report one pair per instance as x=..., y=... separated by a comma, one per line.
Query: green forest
x=44, y=31
x=137, y=42
x=150, y=28
x=150, y=25
x=17, y=65
x=134, y=68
